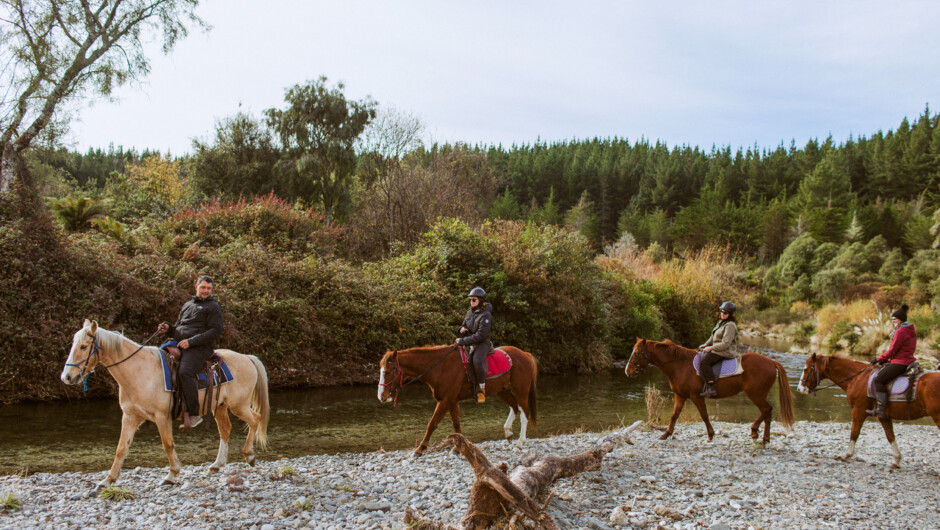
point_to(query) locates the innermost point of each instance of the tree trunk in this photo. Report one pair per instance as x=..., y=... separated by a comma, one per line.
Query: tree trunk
x=517, y=500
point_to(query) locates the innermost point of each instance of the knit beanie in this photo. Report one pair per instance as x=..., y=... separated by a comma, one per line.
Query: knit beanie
x=901, y=314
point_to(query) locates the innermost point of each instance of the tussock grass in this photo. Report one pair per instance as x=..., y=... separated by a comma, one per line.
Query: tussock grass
x=10, y=501
x=114, y=493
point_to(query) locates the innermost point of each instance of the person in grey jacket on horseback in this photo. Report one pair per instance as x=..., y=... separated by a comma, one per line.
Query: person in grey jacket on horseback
x=723, y=344
x=475, y=334
x=197, y=329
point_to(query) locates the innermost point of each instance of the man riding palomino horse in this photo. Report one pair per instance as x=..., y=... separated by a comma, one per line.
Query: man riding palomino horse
x=475, y=335
x=197, y=329
x=723, y=344
x=895, y=361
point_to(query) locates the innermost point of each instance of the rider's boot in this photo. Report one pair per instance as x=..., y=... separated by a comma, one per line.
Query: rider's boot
x=879, y=410
x=481, y=393
x=708, y=390
x=189, y=422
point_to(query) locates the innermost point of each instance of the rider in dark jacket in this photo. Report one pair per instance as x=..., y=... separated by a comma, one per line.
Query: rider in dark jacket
x=475, y=332
x=197, y=329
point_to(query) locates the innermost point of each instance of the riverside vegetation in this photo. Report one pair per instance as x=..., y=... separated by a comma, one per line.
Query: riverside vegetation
x=584, y=245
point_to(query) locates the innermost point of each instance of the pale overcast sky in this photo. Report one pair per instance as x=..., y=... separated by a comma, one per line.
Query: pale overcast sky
x=696, y=73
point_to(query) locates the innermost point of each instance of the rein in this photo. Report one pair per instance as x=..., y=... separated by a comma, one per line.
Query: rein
x=94, y=352
x=819, y=378
x=401, y=379
x=646, y=357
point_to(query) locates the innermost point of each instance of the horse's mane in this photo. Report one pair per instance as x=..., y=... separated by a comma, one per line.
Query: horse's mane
x=680, y=352
x=114, y=341
x=421, y=350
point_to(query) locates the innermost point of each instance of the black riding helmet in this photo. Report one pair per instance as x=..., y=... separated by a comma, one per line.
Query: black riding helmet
x=477, y=292
x=727, y=306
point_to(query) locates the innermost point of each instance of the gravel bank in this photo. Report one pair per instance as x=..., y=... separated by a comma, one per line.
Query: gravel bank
x=684, y=482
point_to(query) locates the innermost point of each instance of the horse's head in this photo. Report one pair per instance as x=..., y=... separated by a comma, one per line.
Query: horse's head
x=390, y=377
x=84, y=355
x=639, y=358
x=812, y=374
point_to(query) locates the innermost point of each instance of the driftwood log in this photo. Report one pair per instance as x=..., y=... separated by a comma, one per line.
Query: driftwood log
x=519, y=499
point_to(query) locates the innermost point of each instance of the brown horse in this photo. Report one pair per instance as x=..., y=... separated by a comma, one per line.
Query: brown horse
x=441, y=368
x=139, y=375
x=852, y=376
x=676, y=362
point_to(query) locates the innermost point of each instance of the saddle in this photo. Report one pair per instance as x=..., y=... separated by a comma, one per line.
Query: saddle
x=902, y=388
x=497, y=364
x=208, y=377
x=729, y=367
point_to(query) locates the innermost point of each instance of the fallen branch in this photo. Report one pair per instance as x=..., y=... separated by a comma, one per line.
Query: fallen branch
x=496, y=498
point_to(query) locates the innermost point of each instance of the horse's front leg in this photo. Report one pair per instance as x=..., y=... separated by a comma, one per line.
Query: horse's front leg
x=165, y=428
x=703, y=412
x=129, y=425
x=224, y=424
x=436, y=418
x=678, y=403
x=889, y=433
x=858, y=418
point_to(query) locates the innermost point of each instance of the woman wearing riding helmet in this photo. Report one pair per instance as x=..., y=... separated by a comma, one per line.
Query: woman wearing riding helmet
x=475, y=334
x=723, y=344
x=899, y=356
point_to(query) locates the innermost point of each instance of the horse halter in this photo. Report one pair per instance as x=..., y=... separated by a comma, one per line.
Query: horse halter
x=816, y=374
x=645, y=357
x=401, y=378
x=94, y=352
x=83, y=365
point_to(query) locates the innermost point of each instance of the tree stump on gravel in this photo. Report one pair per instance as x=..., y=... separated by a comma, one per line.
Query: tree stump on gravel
x=519, y=499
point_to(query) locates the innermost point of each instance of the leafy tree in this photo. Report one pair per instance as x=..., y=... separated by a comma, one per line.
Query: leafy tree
x=318, y=132
x=384, y=144
x=823, y=199
x=159, y=177
x=239, y=162
x=892, y=270
x=548, y=213
x=797, y=258
x=506, y=207
x=582, y=219
x=77, y=213
x=58, y=51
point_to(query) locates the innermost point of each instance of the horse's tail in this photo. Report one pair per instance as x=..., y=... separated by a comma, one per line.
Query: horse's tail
x=529, y=359
x=532, y=407
x=786, y=397
x=260, y=402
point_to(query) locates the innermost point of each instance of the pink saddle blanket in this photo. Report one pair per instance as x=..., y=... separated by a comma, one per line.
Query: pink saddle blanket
x=497, y=364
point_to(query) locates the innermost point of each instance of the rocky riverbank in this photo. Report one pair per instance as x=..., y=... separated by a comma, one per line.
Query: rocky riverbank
x=684, y=482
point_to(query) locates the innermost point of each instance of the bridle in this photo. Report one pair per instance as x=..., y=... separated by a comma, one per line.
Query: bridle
x=819, y=377
x=87, y=362
x=644, y=351
x=401, y=378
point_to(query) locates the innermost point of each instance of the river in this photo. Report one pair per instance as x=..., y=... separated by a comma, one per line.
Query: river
x=82, y=435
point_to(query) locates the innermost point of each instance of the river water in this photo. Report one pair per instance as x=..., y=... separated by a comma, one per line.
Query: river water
x=82, y=435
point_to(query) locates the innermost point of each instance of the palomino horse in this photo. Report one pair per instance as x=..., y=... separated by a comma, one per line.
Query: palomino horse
x=852, y=376
x=676, y=362
x=139, y=376
x=442, y=370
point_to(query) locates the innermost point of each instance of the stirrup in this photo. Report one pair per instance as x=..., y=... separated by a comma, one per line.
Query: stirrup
x=189, y=423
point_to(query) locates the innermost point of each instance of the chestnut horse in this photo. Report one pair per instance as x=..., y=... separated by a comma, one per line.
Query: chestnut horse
x=852, y=376
x=676, y=362
x=139, y=375
x=441, y=368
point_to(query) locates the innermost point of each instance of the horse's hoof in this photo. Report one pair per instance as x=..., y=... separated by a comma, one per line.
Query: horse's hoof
x=415, y=455
x=168, y=482
x=93, y=492
x=664, y=436
x=252, y=461
x=213, y=470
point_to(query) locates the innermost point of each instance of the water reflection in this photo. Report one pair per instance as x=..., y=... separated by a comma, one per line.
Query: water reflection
x=82, y=435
